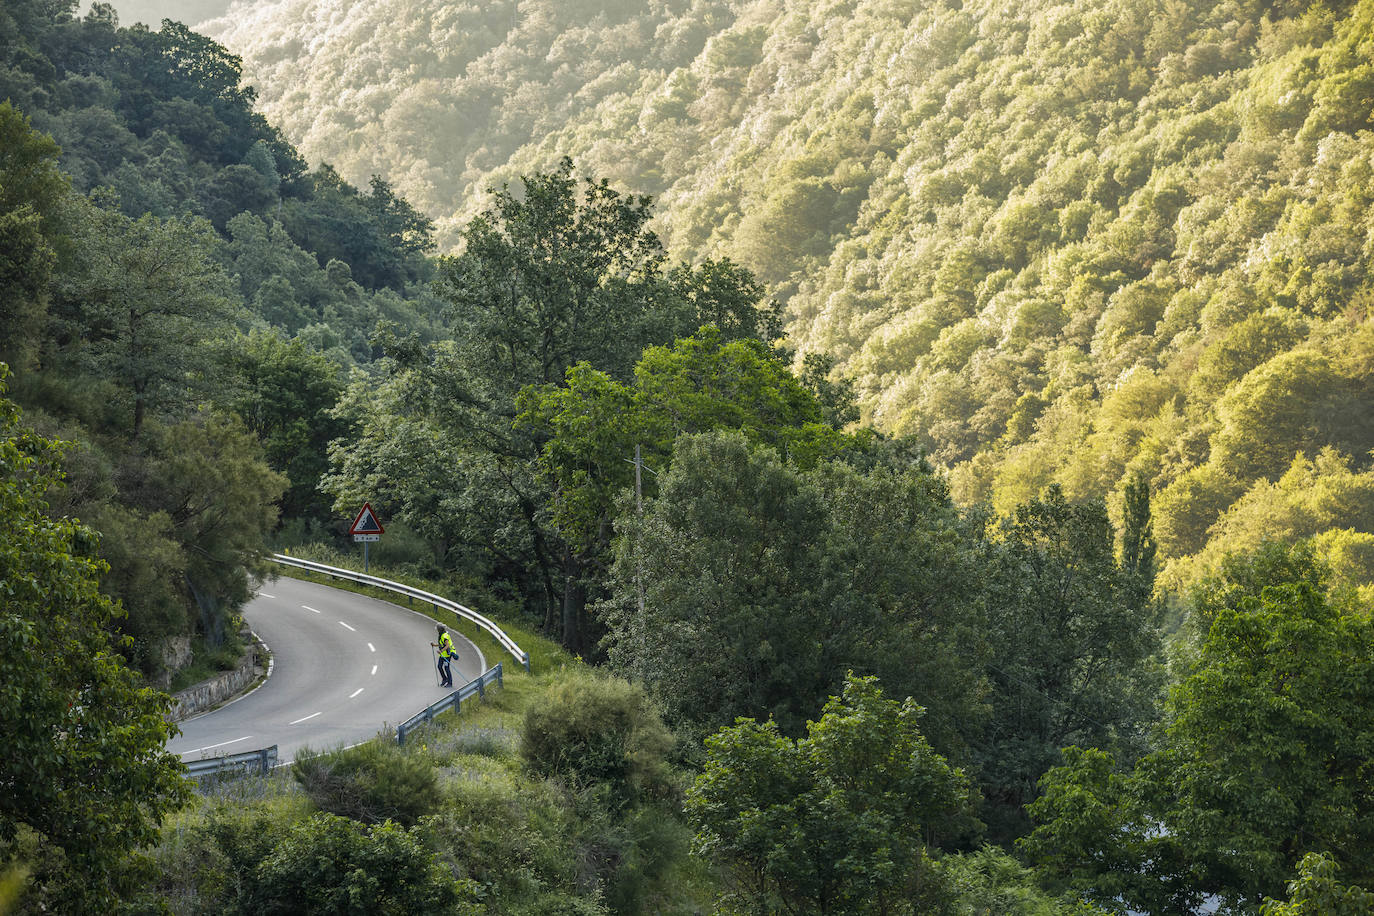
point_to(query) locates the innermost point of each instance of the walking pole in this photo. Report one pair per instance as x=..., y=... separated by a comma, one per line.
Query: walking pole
x=435, y=659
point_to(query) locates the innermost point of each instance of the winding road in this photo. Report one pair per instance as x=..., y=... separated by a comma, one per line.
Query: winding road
x=344, y=666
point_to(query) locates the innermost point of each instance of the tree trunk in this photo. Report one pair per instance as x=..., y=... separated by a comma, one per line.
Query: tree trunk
x=574, y=600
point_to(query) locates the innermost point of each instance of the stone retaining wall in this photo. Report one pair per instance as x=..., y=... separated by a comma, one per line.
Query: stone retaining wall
x=221, y=688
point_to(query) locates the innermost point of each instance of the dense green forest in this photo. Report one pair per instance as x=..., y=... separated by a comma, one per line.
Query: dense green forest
x=181, y=300
x=969, y=512
x=1054, y=242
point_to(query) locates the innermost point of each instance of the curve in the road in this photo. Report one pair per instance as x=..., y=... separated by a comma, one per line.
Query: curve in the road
x=344, y=667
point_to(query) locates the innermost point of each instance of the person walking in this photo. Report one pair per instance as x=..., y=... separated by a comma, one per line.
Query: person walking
x=447, y=653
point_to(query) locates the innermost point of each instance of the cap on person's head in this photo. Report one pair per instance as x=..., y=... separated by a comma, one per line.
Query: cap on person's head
x=439, y=627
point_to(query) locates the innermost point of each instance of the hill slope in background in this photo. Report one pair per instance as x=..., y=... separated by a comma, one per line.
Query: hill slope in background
x=152, y=12
x=1057, y=242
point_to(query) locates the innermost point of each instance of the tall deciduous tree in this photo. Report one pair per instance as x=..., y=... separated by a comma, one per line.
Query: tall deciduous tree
x=557, y=275
x=1071, y=638
x=839, y=821
x=286, y=395
x=1137, y=535
x=1263, y=757
x=1269, y=742
x=591, y=426
x=772, y=580
x=144, y=304
x=84, y=780
x=31, y=190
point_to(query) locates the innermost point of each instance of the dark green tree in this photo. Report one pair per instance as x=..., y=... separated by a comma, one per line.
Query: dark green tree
x=31, y=192
x=1072, y=643
x=84, y=781
x=143, y=307
x=733, y=583
x=207, y=476
x=840, y=821
x=724, y=294
x=286, y=395
x=1137, y=537
x=1261, y=757
x=554, y=276
x=750, y=571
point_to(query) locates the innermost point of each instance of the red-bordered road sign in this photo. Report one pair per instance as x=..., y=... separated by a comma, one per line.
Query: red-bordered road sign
x=366, y=522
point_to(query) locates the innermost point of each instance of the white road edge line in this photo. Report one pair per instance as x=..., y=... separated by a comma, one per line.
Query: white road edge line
x=309, y=608
x=347, y=627
x=211, y=747
x=303, y=719
x=355, y=693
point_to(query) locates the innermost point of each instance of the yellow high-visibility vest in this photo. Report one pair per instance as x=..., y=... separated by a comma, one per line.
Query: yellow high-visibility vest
x=446, y=648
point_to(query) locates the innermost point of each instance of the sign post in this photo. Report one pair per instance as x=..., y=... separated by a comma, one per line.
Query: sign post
x=366, y=528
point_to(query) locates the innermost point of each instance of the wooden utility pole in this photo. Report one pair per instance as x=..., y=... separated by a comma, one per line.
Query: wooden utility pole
x=639, y=558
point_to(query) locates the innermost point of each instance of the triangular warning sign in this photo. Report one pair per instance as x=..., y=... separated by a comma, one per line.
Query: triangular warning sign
x=366, y=522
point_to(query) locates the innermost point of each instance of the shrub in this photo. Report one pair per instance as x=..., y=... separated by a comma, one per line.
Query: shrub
x=989, y=880
x=329, y=865
x=371, y=783
x=592, y=729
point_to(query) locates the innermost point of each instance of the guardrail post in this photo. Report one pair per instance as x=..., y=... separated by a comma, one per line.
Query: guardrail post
x=501, y=683
x=262, y=760
x=525, y=657
x=400, y=734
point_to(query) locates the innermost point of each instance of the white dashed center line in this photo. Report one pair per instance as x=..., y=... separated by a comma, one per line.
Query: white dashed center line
x=304, y=719
x=347, y=627
x=309, y=608
x=374, y=670
x=265, y=595
x=355, y=693
x=371, y=647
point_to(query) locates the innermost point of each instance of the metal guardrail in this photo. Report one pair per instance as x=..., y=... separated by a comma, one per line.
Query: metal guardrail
x=400, y=588
x=471, y=689
x=258, y=762
x=261, y=763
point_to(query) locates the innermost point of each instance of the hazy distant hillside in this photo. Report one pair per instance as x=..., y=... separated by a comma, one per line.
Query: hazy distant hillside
x=1056, y=241
x=152, y=12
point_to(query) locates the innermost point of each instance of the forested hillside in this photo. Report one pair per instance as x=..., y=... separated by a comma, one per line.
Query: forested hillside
x=181, y=299
x=869, y=484
x=1056, y=242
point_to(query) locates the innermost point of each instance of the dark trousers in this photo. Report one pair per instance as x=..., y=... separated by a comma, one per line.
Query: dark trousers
x=445, y=671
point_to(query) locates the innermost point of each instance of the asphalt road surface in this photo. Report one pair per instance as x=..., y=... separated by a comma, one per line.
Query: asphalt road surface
x=344, y=666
